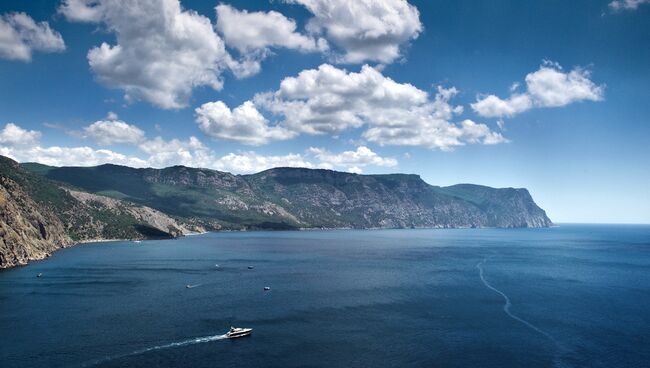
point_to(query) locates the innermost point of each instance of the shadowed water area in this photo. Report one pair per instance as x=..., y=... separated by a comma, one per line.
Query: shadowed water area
x=568, y=296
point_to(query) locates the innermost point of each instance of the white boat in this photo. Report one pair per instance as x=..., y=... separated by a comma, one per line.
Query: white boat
x=267, y=288
x=238, y=332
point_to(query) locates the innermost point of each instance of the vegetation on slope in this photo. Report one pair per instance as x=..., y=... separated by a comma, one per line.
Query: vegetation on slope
x=285, y=198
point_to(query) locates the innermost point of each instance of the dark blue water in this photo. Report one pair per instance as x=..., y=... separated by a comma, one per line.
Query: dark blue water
x=571, y=296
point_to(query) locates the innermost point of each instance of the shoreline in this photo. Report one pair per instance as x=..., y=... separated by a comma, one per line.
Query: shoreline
x=307, y=229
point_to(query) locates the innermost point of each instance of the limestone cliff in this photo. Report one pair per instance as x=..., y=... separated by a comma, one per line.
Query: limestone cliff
x=38, y=216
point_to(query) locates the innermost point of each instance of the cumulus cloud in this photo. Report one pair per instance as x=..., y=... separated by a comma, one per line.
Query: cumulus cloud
x=353, y=161
x=71, y=156
x=244, y=124
x=162, y=51
x=112, y=131
x=618, y=5
x=364, y=30
x=20, y=35
x=191, y=152
x=24, y=146
x=89, y=11
x=331, y=100
x=251, y=162
x=255, y=32
x=550, y=86
x=493, y=106
x=13, y=135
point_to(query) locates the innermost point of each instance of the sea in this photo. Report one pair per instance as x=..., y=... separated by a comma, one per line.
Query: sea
x=565, y=296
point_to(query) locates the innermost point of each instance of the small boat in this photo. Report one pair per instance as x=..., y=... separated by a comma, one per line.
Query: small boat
x=188, y=286
x=267, y=288
x=250, y=267
x=238, y=332
x=216, y=266
x=136, y=241
x=39, y=274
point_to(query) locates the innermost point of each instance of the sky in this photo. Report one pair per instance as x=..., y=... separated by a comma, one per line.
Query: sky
x=547, y=95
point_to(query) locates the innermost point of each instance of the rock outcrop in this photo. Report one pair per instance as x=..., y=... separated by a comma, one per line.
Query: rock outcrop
x=38, y=216
x=45, y=208
x=292, y=198
x=27, y=230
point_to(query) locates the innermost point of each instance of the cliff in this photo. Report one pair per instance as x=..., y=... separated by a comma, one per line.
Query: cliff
x=44, y=208
x=290, y=198
x=39, y=216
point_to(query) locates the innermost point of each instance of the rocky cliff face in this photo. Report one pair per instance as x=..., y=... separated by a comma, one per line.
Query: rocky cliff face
x=38, y=216
x=94, y=217
x=324, y=198
x=44, y=208
x=28, y=231
x=290, y=198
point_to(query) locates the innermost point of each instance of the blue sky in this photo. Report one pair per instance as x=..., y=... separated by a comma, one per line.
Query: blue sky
x=422, y=87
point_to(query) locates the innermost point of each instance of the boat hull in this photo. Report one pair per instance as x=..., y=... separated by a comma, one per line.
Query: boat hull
x=234, y=335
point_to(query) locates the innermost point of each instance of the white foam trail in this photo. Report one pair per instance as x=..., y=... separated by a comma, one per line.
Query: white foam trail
x=507, y=305
x=198, y=340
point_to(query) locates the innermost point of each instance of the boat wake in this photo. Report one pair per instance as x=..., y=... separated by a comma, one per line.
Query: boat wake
x=508, y=304
x=560, y=349
x=197, y=340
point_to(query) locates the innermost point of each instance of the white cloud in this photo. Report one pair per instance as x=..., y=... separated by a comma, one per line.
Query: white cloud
x=71, y=156
x=82, y=10
x=480, y=133
x=549, y=86
x=20, y=35
x=618, y=5
x=251, y=162
x=112, y=131
x=13, y=135
x=365, y=30
x=191, y=152
x=24, y=146
x=243, y=124
x=493, y=106
x=355, y=170
x=162, y=51
x=255, y=32
x=353, y=161
x=331, y=100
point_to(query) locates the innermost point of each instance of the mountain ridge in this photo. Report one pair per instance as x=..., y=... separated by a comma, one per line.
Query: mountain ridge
x=114, y=201
x=281, y=196
x=38, y=217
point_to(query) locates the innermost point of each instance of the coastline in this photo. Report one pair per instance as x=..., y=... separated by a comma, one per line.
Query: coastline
x=94, y=241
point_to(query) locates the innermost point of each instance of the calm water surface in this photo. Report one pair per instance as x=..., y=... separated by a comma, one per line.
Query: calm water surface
x=570, y=296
